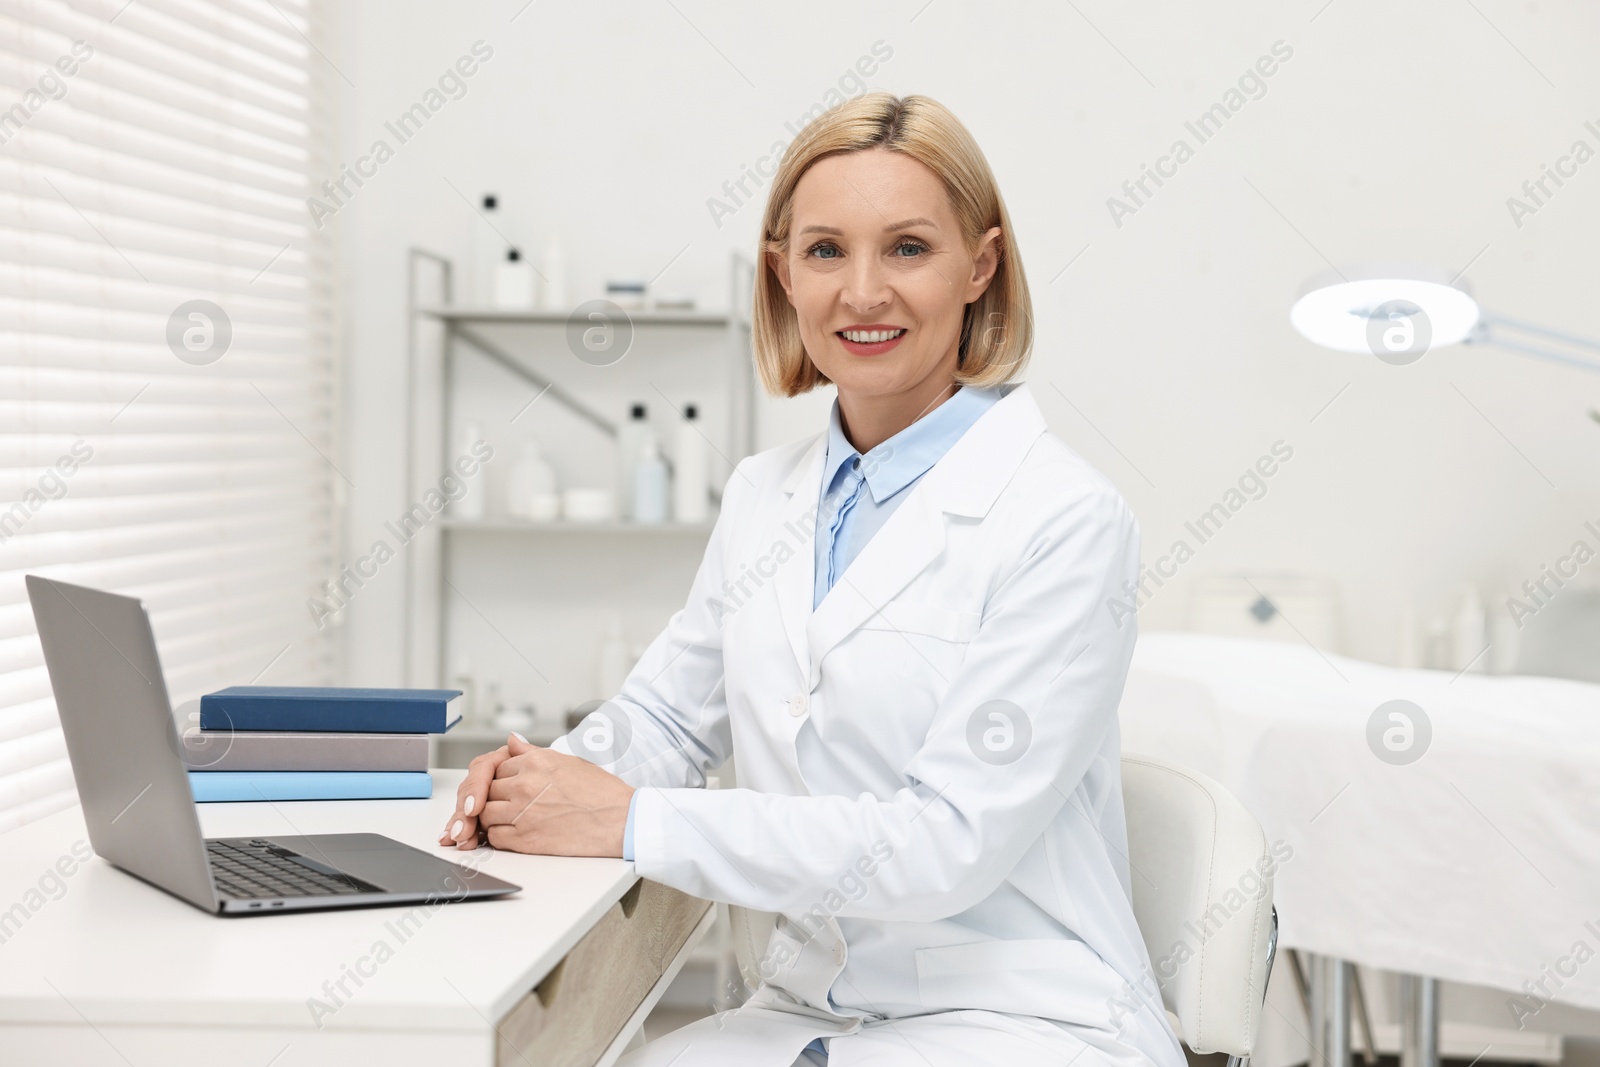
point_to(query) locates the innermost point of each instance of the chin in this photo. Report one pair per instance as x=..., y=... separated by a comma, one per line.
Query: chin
x=872, y=380
x=873, y=375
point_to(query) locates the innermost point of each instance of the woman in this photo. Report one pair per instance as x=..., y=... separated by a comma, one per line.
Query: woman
x=900, y=632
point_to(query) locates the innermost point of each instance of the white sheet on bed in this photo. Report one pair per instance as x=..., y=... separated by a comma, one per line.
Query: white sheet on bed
x=1478, y=862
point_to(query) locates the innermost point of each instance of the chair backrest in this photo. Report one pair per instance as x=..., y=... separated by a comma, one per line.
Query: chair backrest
x=1202, y=894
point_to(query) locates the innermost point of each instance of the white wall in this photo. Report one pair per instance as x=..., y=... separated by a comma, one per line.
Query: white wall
x=1395, y=131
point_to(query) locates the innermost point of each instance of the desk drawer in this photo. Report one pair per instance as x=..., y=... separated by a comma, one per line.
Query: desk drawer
x=581, y=1006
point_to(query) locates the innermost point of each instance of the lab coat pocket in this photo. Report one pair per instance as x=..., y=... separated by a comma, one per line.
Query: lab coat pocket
x=1052, y=979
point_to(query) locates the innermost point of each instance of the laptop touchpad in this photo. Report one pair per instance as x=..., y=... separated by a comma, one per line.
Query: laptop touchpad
x=380, y=861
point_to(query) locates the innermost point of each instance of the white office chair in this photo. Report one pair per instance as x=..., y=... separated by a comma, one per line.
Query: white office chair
x=1190, y=842
x=1198, y=858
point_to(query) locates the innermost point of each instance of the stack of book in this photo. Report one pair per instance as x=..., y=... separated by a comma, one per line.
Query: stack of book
x=265, y=742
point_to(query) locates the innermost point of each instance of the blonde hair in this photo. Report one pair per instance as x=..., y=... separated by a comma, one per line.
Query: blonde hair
x=996, y=329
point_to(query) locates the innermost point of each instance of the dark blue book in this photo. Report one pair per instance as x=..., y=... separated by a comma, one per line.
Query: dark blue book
x=224, y=786
x=329, y=710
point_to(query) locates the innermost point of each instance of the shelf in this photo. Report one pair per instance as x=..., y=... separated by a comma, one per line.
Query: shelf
x=524, y=526
x=639, y=317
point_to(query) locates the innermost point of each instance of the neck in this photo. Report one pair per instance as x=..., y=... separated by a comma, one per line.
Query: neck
x=869, y=421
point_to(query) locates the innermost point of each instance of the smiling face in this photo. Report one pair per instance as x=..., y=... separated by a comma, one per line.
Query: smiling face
x=879, y=274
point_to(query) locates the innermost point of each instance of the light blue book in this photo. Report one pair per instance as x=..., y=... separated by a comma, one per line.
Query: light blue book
x=217, y=786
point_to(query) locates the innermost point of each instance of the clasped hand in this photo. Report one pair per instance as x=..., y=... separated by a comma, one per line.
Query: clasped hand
x=529, y=799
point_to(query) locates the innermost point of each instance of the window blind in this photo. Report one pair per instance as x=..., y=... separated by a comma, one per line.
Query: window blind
x=167, y=384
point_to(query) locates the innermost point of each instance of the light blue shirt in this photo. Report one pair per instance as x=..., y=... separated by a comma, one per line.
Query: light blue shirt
x=859, y=493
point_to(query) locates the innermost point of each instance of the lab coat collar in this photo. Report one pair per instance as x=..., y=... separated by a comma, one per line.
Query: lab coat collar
x=810, y=464
x=911, y=453
x=981, y=453
x=966, y=482
x=970, y=477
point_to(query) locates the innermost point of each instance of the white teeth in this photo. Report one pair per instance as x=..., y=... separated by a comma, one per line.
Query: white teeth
x=867, y=337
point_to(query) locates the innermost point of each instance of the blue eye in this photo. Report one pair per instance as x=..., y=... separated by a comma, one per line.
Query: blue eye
x=817, y=251
x=916, y=249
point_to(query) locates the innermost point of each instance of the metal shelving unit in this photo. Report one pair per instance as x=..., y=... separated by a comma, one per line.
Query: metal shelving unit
x=440, y=334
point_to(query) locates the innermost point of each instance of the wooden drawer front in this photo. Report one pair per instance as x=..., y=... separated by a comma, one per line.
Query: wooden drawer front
x=576, y=1012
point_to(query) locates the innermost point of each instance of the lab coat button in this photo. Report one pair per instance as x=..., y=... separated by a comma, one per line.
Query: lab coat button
x=797, y=705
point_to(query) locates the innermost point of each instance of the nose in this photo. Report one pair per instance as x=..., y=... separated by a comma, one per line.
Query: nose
x=866, y=286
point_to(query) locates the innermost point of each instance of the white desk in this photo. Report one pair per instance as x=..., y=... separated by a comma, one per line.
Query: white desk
x=99, y=968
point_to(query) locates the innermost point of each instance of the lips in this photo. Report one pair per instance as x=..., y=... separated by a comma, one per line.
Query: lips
x=871, y=339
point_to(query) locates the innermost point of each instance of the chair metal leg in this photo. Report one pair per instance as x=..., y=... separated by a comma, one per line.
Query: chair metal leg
x=1428, y=1022
x=1408, y=1020
x=1338, y=1035
x=1369, y=1047
x=1358, y=1000
x=1272, y=952
x=1298, y=969
x=1419, y=1021
x=1317, y=972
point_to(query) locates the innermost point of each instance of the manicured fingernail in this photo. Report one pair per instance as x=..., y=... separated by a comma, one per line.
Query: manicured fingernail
x=471, y=803
x=519, y=737
x=455, y=831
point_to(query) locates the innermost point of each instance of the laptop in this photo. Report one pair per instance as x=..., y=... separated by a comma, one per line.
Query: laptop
x=134, y=787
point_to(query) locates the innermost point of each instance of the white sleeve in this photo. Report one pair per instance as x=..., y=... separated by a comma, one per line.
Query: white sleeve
x=1048, y=646
x=669, y=725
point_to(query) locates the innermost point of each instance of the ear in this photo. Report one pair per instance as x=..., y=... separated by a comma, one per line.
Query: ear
x=779, y=265
x=984, y=263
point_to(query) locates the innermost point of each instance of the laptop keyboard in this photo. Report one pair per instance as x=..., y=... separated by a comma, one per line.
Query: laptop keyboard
x=246, y=873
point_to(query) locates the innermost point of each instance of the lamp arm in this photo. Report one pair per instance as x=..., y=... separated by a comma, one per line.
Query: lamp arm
x=1486, y=333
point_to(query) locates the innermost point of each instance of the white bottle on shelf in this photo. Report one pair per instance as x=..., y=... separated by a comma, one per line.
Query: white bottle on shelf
x=470, y=507
x=650, y=483
x=630, y=437
x=1409, y=652
x=492, y=704
x=1506, y=644
x=1470, y=631
x=488, y=249
x=691, y=488
x=554, y=268
x=463, y=680
x=531, y=486
x=513, y=283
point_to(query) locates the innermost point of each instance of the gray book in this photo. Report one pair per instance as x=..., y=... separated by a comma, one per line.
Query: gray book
x=275, y=750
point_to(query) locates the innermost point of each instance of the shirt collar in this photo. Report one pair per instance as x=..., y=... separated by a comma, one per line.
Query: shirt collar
x=912, y=452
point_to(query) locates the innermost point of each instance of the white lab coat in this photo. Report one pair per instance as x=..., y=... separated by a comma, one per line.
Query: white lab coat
x=926, y=855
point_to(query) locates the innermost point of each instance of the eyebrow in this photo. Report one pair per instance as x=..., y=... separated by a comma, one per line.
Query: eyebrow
x=905, y=224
